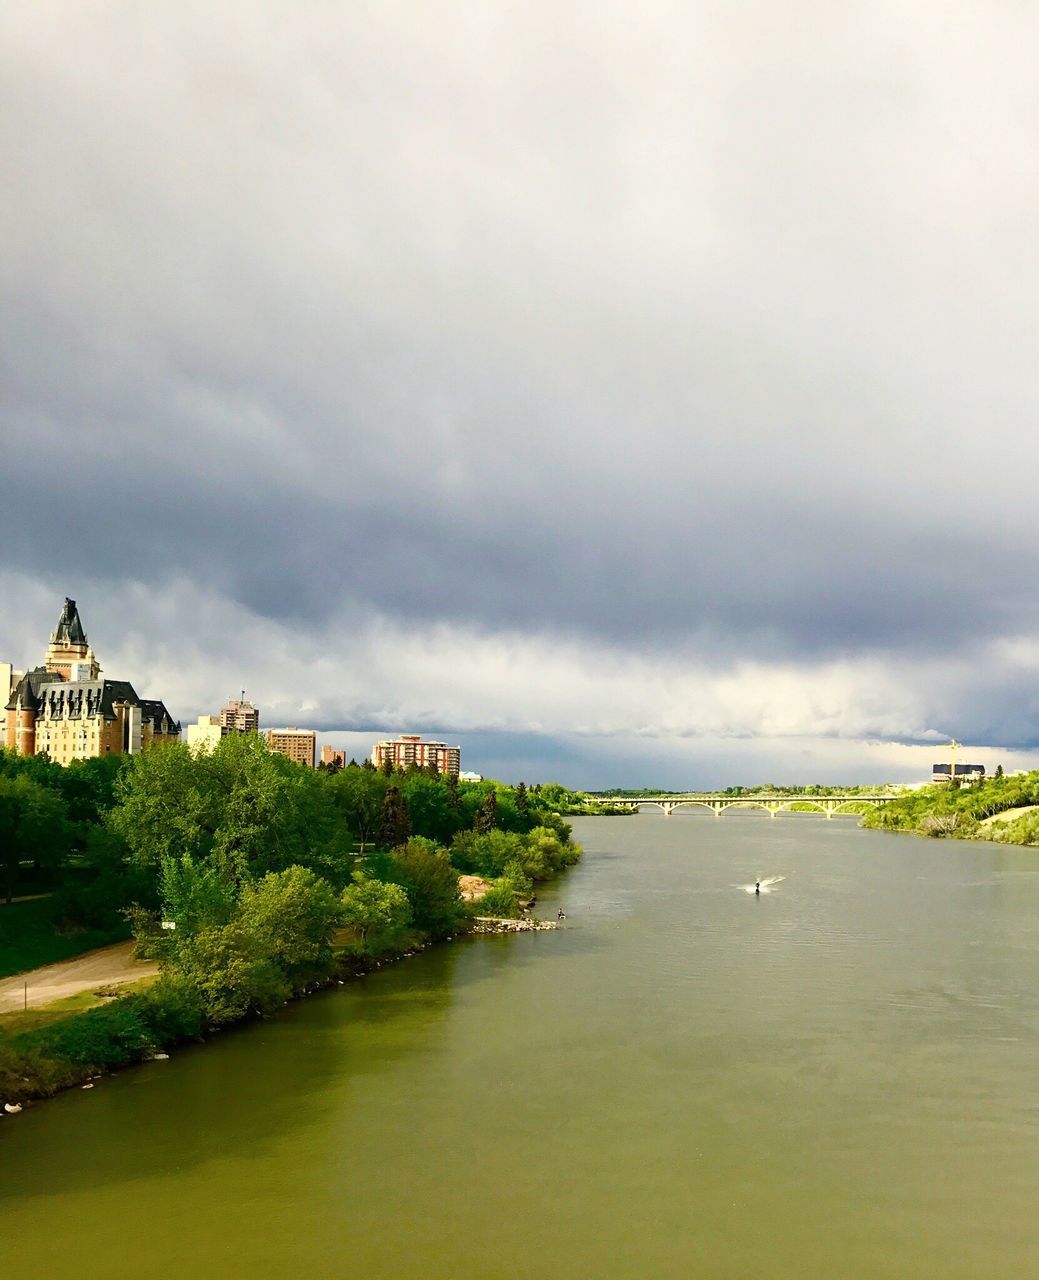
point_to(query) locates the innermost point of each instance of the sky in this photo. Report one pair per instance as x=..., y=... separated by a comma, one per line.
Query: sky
x=636, y=395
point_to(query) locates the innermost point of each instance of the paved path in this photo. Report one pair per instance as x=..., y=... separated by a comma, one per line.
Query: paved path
x=106, y=967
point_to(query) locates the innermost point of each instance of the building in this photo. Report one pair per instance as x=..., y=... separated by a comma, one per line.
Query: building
x=333, y=759
x=298, y=744
x=68, y=710
x=205, y=734
x=964, y=772
x=466, y=776
x=409, y=749
x=239, y=716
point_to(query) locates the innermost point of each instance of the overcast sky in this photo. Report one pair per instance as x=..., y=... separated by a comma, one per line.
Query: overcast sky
x=633, y=393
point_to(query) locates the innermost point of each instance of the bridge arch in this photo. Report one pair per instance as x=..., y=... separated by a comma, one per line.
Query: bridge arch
x=748, y=804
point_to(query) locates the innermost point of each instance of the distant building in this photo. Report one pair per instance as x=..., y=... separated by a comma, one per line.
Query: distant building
x=964, y=772
x=205, y=734
x=466, y=776
x=410, y=749
x=298, y=744
x=239, y=716
x=331, y=758
x=66, y=709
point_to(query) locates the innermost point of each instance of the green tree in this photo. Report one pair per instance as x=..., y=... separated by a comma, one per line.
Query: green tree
x=357, y=795
x=429, y=805
x=195, y=895
x=294, y=912
x=425, y=873
x=34, y=829
x=395, y=821
x=377, y=912
x=487, y=818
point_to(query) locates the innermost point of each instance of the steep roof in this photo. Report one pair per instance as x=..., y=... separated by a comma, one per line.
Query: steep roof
x=155, y=710
x=69, y=629
x=27, y=692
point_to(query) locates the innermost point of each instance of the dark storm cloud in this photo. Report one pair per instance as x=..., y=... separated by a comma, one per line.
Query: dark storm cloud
x=705, y=331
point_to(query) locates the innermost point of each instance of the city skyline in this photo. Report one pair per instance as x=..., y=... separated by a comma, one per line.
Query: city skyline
x=624, y=409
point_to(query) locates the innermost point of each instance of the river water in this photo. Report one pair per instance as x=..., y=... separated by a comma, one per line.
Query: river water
x=837, y=1079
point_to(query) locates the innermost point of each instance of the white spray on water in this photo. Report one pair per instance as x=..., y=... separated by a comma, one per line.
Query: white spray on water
x=763, y=886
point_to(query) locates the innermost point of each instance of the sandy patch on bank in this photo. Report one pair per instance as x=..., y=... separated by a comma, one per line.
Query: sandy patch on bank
x=1008, y=815
x=473, y=888
x=112, y=966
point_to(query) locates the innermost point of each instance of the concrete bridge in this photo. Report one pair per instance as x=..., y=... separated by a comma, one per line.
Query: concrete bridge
x=773, y=802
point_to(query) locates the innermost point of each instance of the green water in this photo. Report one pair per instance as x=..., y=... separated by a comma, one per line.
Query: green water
x=839, y=1079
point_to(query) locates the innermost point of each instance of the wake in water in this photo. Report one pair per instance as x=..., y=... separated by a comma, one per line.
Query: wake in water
x=766, y=885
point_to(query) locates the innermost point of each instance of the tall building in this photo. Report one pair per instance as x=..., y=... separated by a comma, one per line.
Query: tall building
x=66, y=709
x=204, y=734
x=410, y=749
x=298, y=744
x=239, y=716
x=331, y=758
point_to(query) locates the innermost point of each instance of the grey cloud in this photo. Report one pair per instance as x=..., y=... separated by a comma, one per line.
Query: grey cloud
x=702, y=331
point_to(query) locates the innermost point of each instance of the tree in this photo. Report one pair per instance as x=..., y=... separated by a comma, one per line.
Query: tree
x=375, y=911
x=999, y=771
x=357, y=795
x=195, y=895
x=522, y=800
x=395, y=822
x=425, y=873
x=33, y=828
x=487, y=818
x=429, y=804
x=295, y=912
x=278, y=939
x=387, y=766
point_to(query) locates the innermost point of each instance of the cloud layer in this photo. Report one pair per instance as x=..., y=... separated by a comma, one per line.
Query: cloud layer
x=549, y=372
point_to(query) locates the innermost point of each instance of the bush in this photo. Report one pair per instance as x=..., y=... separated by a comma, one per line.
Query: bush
x=502, y=900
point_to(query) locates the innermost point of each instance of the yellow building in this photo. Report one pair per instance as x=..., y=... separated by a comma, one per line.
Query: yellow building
x=204, y=735
x=298, y=744
x=66, y=709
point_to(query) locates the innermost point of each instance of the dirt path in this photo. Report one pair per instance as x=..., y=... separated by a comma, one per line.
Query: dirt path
x=106, y=967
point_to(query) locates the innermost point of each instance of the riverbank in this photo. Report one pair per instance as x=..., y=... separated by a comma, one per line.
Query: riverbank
x=1002, y=810
x=60, y=1045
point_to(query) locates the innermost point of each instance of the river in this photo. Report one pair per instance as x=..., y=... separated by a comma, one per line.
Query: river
x=836, y=1079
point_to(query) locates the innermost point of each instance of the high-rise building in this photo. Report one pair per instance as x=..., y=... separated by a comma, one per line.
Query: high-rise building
x=239, y=716
x=204, y=734
x=410, y=749
x=298, y=744
x=331, y=758
x=66, y=709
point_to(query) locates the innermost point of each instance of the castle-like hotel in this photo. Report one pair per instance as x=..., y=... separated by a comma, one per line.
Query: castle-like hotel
x=67, y=709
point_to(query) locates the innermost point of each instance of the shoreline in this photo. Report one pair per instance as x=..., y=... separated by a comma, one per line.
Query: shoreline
x=16, y=1097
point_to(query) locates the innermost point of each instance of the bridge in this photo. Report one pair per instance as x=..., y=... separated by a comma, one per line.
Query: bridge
x=773, y=802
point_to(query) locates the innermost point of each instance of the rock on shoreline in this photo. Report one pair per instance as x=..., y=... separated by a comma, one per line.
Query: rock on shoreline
x=495, y=924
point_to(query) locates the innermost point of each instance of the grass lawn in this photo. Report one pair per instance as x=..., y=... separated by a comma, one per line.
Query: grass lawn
x=28, y=937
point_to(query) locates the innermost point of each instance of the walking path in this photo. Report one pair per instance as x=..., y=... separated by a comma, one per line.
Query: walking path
x=106, y=967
